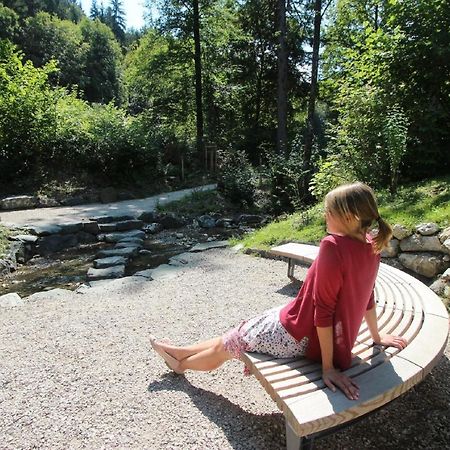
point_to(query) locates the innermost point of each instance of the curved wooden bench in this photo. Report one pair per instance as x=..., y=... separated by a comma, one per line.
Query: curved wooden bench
x=405, y=307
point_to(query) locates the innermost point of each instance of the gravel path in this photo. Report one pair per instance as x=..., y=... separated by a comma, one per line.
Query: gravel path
x=44, y=216
x=76, y=372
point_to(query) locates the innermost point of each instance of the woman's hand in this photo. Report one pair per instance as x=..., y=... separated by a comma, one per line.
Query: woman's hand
x=389, y=340
x=333, y=378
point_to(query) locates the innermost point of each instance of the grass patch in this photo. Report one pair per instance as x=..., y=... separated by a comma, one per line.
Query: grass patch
x=427, y=201
x=4, y=242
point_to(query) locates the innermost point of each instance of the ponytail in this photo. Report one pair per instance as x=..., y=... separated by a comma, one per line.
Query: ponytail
x=382, y=238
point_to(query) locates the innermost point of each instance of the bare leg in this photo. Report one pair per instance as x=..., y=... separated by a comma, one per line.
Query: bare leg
x=210, y=358
x=184, y=352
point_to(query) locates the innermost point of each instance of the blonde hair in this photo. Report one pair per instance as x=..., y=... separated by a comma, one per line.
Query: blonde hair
x=358, y=201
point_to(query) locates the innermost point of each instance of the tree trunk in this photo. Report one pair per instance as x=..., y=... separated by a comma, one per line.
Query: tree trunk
x=312, y=96
x=198, y=80
x=282, y=80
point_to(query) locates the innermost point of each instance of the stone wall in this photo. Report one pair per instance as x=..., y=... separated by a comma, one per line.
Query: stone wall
x=424, y=251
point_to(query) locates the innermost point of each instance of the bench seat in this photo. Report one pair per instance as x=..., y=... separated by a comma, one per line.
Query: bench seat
x=405, y=307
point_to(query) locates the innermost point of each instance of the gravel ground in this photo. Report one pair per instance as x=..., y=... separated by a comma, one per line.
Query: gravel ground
x=76, y=371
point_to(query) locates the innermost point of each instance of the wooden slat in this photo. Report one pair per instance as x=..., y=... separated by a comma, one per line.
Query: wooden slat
x=300, y=252
x=324, y=409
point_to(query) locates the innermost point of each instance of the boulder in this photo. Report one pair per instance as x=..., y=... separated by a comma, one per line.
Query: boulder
x=129, y=225
x=73, y=201
x=419, y=243
x=225, y=223
x=116, y=237
x=446, y=245
x=171, y=221
x=249, y=219
x=109, y=261
x=91, y=227
x=19, y=202
x=86, y=238
x=445, y=234
x=46, y=202
x=9, y=300
x=391, y=251
x=446, y=275
x=427, y=229
x=110, y=272
x=206, y=221
x=108, y=195
x=148, y=216
x=400, y=232
x=55, y=243
x=425, y=264
x=438, y=286
x=153, y=228
x=125, y=252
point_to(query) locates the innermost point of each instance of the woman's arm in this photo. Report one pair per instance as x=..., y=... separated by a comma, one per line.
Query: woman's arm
x=332, y=377
x=387, y=340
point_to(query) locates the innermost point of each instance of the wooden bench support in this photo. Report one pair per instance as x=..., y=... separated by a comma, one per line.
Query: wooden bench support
x=405, y=307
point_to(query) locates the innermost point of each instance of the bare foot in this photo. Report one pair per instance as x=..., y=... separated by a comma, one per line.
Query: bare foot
x=170, y=361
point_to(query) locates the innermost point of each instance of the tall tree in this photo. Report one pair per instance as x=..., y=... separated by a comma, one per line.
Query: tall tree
x=198, y=78
x=312, y=96
x=118, y=25
x=282, y=79
x=94, y=12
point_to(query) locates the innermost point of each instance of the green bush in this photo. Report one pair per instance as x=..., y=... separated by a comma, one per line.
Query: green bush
x=27, y=115
x=237, y=178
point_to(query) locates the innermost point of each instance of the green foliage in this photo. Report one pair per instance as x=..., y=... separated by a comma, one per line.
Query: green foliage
x=9, y=23
x=237, y=178
x=285, y=178
x=103, y=70
x=332, y=171
x=27, y=114
x=395, y=134
x=46, y=37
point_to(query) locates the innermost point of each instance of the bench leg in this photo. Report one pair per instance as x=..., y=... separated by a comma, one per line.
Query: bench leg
x=291, y=267
x=294, y=442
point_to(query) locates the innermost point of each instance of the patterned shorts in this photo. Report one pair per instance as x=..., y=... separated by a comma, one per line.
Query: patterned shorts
x=264, y=334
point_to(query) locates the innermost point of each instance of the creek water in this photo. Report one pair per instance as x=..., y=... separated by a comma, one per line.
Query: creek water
x=67, y=269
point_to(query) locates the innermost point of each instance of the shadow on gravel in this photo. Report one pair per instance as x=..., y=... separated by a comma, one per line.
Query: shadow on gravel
x=416, y=420
x=291, y=289
x=243, y=429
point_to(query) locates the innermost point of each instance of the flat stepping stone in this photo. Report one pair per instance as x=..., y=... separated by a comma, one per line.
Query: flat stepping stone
x=110, y=272
x=130, y=225
x=121, y=283
x=9, y=300
x=107, y=227
x=125, y=252
x=116, y=237
x=165, y=272
x=145, y=273
x=108, y=219
x=71, y=227
x=132, y=240
x=28, y=238
x=181, y=259
x=127, y=245
x=43, y=230
x=208, y=245
x=109, y=262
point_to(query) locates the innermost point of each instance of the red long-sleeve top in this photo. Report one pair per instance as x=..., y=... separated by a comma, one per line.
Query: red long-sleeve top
x=337, y=291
